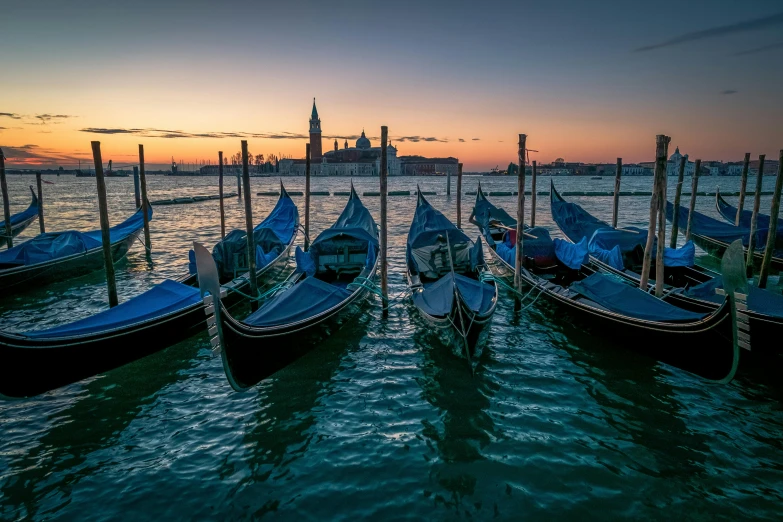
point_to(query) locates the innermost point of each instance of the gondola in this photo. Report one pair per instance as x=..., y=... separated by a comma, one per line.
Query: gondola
x=446, y=276
x=729, y=213
x=715, y=236
x=20, y=221
x=38, y=361
x=57, y=256
x=330, y=283
x=561, y=272
x=689, y=286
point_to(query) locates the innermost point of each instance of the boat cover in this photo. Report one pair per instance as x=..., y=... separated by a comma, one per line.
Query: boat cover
x=572, y=255
x=729, y=213
x=429, y=238
x=26, y=214
x=354, y=221
x=163, y=299
x=272, y=235
x=541, y=249
x=759, y=300
x=627, y=300
x=53, y=245
x=706, y=226
x=306, y=299
x=484, y=212
x=574, y=221
x=612, y=257
x=305, y=264
x=437, y=298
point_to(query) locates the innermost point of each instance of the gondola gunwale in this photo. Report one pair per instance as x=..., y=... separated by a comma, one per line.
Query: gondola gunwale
x=19, y=227
x=679, y=299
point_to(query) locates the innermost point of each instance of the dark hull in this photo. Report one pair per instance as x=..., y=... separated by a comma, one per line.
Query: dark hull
x=21, y=278
x=17, y=228
x=717, y=248
x=34, y=366
x=703, y=347
x=251, y=354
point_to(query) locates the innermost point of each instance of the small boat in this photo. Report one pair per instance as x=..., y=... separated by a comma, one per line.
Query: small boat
x=446, y=275
x=561, y=271
x=57, y=256
x=715, y=236
x=38, y=361
x=729, y=213
x=619, y=252
x=596, y=177
x=329, y=284
x=20, y=221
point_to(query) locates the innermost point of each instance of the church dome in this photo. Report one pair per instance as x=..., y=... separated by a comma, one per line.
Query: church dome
x=363, y=142
x=676, y=156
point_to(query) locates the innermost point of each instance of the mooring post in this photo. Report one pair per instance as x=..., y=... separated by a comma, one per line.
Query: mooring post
x=755, y=217
x=773, y=226
x=459, y=195
x=616, y=199
x=661, y=143
x=239, y=185
x=145, y=204
x=220, y=192
x=661, y=245
x=533, y=196
x=41, y=224
x=103, y=210
x=251, y=246
x=743, y=187
x=136, y=188
x=9, y=239
x=677, y=196
x=448, y=182
x=384, y=216
x=307, y=198
x=692, y=206
x=519, y=258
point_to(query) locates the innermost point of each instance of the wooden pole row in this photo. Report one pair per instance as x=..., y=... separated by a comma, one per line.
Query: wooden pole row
x=136, y=187
x=145, y=204
x=103, y=210
x=459, y=195
x=677, y=196
x=617, y=176
x=659, y=267
x=743, y=188
x=658, y=197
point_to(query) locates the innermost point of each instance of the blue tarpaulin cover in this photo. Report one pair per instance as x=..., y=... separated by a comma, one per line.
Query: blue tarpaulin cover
x=612, y=257
x=710, y=227
x=306, y=299
x=355, y=221
x=427, y=226
x=437, y=298
x=627, y=300
x=574, y=221
x=484, y=212
x=730, y=213
x=572, y=255
x=165, y=298
x=304, y=262
x=541, y=249
x=683, y=256
x=53, y=245
x=607, y=238
x=759, y=300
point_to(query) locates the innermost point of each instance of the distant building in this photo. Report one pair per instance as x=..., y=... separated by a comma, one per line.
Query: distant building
x=673, y=165
x=421, y=166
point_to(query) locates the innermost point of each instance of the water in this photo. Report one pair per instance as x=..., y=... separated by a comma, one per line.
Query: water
x=380, y=421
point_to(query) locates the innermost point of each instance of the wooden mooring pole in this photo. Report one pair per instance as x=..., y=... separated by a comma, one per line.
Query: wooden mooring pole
x=145, y=204
x=755, y=217
x=384, y=217
x=661, y=146
x=307, y=198
x=251, y=245
x=533, y=196
x=239, y=186
x=773, y=226
x=220, y=192
x=448, y=182
x=692, y=206
x=459, y=195
x=136, y=188
x=677, y=196
x=8, y=239
x=743, y=188
x=616, y=199
x=519, y=258
x=661, y=244
x=103, y=210
x=38, y=184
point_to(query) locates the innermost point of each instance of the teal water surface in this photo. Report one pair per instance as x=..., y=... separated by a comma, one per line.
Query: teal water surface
x=381, y=420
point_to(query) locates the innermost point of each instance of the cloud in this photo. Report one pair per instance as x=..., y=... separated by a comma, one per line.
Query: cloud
x=31, y=154
x=729, y=91
x=417, y=139
x=720, y=31
x=3, y=128
x=761, y=49
x=11, y=115
x=52, y=118
x=174, y=134
x=475, y=139
x=461, y=140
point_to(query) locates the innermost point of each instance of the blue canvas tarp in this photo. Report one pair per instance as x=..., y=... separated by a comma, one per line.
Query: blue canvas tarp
x=729, y=212
x=613, y=257
x=759, y=300
x=572, y=255
x=53, y=245
x=437, y=298
x=354, y=221
x=574, y=221
x=166, y=298
x=305, y=264
x=706, y=226
x=627, y=300
x=306, y=299
x=430, y=238
x=26, y=214
x=484, y=212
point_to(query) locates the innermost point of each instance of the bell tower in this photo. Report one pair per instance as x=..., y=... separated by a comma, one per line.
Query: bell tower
x=315, y=135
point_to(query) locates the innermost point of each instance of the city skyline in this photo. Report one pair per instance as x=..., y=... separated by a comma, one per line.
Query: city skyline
x=590, y=83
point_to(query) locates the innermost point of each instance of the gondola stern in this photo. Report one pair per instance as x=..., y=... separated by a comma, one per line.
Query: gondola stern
x=735, y=287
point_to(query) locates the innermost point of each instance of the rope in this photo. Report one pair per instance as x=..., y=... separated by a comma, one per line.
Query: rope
x=266, y=295
x=372, y=287
x=487, y=276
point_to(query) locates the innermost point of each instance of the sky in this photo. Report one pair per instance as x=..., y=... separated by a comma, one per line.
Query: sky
x=586, y=81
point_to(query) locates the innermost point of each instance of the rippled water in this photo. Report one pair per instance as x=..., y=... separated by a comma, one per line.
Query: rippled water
x=380, y=421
